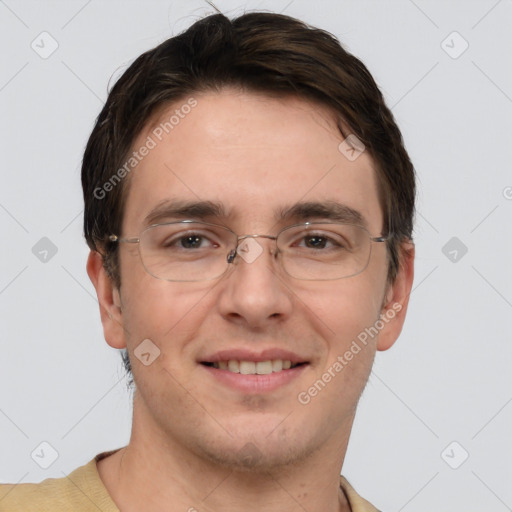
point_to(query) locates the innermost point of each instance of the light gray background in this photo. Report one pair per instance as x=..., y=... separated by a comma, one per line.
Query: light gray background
x=449, y=376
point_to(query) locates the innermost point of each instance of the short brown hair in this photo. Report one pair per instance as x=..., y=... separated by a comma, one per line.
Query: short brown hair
x=261, y=52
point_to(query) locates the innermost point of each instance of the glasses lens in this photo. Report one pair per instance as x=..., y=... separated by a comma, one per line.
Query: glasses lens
x=186, y=251
x=324, y=251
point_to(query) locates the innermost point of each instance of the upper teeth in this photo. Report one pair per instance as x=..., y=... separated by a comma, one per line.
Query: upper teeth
x=252, y=368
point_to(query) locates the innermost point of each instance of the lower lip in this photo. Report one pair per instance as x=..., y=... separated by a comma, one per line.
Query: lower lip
x=255, y=383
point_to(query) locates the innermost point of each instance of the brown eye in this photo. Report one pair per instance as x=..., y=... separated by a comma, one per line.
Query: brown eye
x=191, y=242
x=315, y=242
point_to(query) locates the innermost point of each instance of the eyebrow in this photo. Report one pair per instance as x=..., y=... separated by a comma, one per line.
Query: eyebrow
x=326, y=210
x=178, y=209
x=302, y=211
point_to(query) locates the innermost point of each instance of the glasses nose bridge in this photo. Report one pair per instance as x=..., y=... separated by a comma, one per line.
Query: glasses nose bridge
x=244, y=237
x=239, y=238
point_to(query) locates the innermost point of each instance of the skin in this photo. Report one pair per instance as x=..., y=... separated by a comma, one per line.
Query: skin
x=254, y=154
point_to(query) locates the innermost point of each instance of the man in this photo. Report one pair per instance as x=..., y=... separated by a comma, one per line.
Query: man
x=249, y=209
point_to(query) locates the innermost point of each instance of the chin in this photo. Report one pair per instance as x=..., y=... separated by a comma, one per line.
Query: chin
x=253, y=457
x=258, y=448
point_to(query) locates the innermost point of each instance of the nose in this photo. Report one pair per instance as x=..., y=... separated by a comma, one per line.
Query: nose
x=254, y=293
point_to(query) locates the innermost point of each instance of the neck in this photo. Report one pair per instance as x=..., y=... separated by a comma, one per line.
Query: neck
x=155, y=473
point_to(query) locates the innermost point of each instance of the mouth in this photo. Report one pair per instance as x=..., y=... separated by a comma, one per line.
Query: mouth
x=254, y=373
x=253, y=367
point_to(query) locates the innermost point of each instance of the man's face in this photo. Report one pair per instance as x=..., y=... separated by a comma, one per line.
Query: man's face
x=256, y=156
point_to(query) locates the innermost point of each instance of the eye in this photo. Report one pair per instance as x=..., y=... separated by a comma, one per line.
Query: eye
x=315, y=241
x=319, y=241
x=191, y=241
x=188, y=241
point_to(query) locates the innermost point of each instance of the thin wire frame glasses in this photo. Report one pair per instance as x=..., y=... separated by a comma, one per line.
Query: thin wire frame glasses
x=191, y=251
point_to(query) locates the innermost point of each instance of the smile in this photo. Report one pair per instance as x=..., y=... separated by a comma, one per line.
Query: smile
x=252, y=367
x=241, y=372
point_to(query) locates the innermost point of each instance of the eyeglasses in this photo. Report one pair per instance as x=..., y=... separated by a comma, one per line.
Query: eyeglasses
x=189, y=251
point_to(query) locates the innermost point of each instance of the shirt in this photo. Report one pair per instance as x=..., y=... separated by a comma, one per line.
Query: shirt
x=83, y=491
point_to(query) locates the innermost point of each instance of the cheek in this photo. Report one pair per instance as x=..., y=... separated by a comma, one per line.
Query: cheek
x=168, y=316
x=341, y=309
x=157, y=310
x=346, y=361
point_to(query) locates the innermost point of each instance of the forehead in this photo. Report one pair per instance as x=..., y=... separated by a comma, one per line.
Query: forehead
x=253, y=154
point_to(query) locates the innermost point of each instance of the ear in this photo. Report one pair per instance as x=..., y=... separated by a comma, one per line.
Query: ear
x=109, y=300
x=396, y=300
